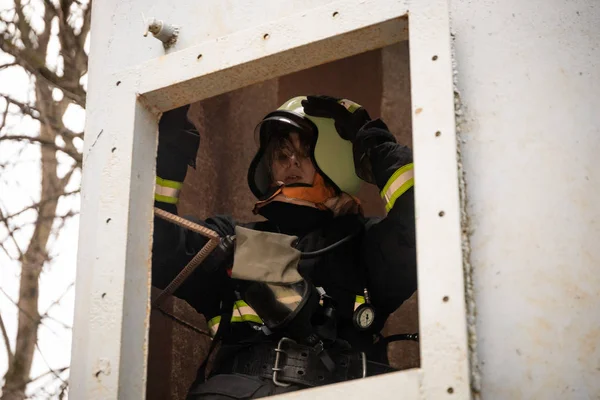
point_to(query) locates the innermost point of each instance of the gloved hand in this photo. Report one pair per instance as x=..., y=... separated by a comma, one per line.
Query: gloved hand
x=371, y=135
x=353, y=123
x=178, y=142
x=349, y=116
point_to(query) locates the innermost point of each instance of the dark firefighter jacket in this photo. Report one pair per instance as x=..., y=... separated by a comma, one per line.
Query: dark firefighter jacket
x=381, y=258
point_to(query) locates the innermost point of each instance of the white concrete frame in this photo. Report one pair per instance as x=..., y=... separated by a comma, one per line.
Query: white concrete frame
x=112, y=312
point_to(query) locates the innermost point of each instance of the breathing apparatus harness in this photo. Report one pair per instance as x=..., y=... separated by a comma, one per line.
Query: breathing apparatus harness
x=308, y=341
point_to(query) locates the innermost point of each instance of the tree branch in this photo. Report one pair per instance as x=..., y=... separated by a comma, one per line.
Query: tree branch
x=50, y=6
x=8, y=65
x=57, y=301
x=63, y=218
x=4, y=116
x=23, y=24
x=63, y=324
x=25, y=108
x=6, y=341
x=44, y=37
x=75, y=155
x=82, y=57
x=28, y=315
x=36, y=114
x=85, y=27
x=42, y=391
x=62, y=390
x=30, y=61
x=37, y=205
x=64, y=181
x=11, y=235
x=51, y=371
x=6, y=251
x=17, y=305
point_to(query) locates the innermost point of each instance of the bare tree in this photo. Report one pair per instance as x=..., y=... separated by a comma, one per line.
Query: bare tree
x=26, y=34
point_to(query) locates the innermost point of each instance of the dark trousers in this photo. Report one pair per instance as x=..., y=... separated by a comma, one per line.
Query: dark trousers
x=237, y=386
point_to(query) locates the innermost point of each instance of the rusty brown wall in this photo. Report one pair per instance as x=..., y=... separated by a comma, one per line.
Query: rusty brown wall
x=379, y=80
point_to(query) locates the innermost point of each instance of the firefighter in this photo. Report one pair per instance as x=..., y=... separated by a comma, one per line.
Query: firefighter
x=297, y=300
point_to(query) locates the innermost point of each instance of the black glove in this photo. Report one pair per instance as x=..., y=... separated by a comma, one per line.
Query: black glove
x=353, y=123
x=372, y=134
x=178, y=142
x=349, y=117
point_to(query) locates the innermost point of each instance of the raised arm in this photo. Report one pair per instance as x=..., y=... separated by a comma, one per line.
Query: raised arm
x=173, y=246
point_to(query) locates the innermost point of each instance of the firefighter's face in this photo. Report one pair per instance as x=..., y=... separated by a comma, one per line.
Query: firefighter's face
x=291, y=162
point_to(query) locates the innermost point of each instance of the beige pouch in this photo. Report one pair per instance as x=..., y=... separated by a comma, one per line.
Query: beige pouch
x=265, y=257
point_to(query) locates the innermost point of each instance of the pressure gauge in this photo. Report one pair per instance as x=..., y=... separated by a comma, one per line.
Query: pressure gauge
x=364, y=316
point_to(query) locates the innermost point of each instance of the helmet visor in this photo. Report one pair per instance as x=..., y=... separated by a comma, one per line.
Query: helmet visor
x=273, y=135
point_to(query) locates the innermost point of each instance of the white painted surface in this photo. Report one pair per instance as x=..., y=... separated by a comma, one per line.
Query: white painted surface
x=346, y=28
x=529, y=75
x=113, y=280
x=394, y=386
x=109, y=352
x=121, y=25
x=442, y=324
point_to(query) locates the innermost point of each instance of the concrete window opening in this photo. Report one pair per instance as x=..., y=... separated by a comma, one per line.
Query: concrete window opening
x=218, y=185
x=265, y=64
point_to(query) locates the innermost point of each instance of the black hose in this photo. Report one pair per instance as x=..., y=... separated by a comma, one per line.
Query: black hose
x=402, y=336
x=320, y=252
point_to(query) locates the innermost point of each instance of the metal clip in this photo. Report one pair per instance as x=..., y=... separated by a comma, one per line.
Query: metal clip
x=364, y=364
x=276, y=369
x=265, y=329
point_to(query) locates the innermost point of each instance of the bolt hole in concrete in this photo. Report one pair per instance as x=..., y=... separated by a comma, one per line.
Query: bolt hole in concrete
x=450, y=390
x=441, y=213
x=108, y=220
x=335, y=14
x=446, y=298
x=266, y=36
x=434, y=58
x=199, y=56
x=118, y=83
x=113, y=149
x=438, y=134
x=103, y=295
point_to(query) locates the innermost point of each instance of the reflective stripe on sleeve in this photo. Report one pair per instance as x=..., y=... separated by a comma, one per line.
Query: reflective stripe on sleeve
x=290, y=299
x=400, y=182
x=358, y=301
x=213, y=325
x=167, y=191
x=242, y=312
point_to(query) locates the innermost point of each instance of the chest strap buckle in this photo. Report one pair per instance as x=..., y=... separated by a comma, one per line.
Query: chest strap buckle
x=276, y=367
